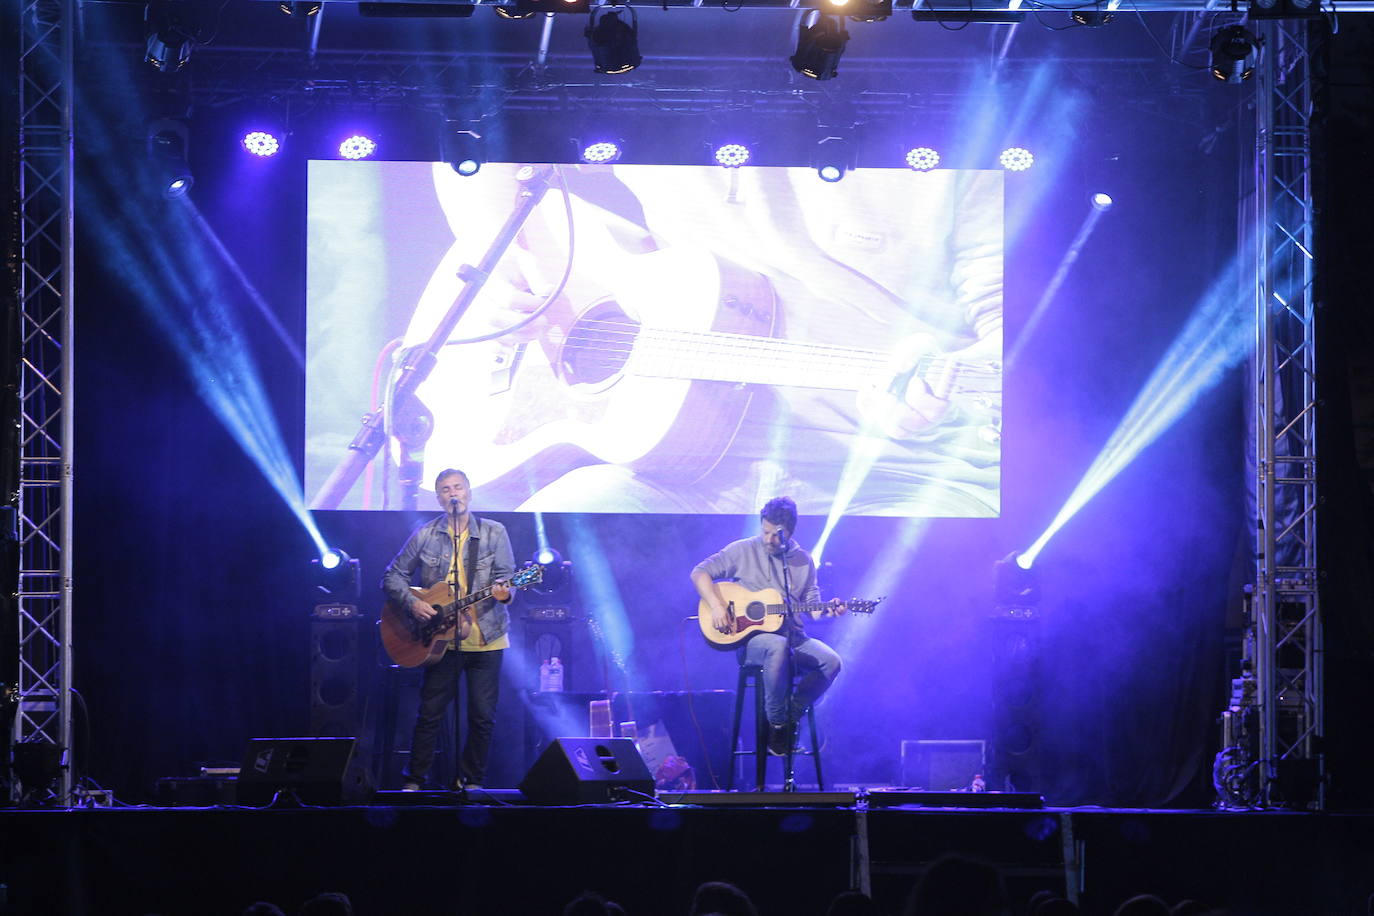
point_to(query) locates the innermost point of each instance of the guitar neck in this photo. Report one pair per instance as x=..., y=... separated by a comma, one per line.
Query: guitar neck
x=467, y=601
x=747, y=360
x=800, y=608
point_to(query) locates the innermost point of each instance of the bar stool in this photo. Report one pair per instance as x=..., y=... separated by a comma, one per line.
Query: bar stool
x=751, y=676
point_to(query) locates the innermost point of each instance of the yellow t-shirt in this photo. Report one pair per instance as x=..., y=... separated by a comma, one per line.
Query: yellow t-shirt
x=474, y=641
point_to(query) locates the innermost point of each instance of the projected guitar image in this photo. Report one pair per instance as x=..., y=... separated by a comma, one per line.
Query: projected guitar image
x=764, y=612
x=658, y=371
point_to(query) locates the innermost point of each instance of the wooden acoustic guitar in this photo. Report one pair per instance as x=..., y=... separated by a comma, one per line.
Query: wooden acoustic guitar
x=413, y=643
x=764, y=612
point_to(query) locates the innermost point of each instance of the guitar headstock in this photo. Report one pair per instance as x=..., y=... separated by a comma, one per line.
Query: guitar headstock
x=527, y=575
x=863, y=605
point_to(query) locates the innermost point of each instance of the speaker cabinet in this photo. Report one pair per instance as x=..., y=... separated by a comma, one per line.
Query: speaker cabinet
x=320, y=771
x=587, y=771
x=334, y=671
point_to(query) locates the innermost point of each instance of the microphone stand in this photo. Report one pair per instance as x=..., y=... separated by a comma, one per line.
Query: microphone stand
x=457, y=631
x=419, y=361
x=789, y=780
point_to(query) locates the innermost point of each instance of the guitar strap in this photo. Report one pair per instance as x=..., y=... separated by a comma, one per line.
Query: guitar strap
x=470, y=561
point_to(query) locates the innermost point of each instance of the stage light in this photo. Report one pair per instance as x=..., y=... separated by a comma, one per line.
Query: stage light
x=922, y=158
x=260, y=143
x=168, y=142
x=357, y=147
x=820, y=46
x=601, y=151
x=869, y=10
x=169, y=35
x=300, y=10
x=1015, y=584
x=336, y=574
x=1093, y=19
x=1283, y=9
x=732, y=155
x=557, y=575
x=461, y=146
x=1102, y=202
x=1016, y=159
x=38, y=765
x=613, y=36
x=1233, y=52
x=834, y=155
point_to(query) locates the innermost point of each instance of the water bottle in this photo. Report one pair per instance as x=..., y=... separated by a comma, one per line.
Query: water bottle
x=555, y=675
x=599, y=718
x=544, y=667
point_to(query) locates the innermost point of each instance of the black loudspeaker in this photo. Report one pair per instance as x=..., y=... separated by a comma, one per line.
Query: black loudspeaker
x=334, y=670
x=588, y=771
x=320, y=771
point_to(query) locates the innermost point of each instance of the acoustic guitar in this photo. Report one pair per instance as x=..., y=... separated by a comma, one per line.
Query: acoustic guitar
x=653, y=365
x=413, y=643
x=764, y=612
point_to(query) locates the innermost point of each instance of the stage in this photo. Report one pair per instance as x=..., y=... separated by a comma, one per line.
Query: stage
x=494, y=854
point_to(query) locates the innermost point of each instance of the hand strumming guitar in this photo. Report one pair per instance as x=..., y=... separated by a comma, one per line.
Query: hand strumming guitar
x=720, y=619
x=420, y=610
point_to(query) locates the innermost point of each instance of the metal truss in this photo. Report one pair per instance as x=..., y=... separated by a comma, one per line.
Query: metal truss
x=1285, y=620
x=45, y=194
x=481, y=85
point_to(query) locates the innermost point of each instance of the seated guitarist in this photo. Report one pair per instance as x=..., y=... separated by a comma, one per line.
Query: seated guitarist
x=774, y=560
x=484, y=558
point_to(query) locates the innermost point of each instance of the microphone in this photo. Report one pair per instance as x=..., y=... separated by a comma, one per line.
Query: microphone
x=453, y=503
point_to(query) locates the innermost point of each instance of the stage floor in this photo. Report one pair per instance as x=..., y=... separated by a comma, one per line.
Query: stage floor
x=438, y=853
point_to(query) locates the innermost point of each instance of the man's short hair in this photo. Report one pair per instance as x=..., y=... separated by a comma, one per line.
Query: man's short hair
x=450, y=472
x=781, y=511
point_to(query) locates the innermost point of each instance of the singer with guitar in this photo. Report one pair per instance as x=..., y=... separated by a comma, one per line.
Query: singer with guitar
x=772, y=560
x=470, y=554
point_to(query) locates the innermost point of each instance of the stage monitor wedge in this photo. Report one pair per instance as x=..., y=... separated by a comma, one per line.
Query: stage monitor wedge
x=318, y=771
x=588, y=771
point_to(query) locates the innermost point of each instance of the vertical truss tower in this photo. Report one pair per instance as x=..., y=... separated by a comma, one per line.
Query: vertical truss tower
x=45, y=194
x=1286, y=625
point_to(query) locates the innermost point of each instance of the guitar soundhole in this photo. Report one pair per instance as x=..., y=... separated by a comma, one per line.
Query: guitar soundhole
x=598, y=345
x=755, y=611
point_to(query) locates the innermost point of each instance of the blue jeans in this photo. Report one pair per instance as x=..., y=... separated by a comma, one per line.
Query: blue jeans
x=817, y=663
x=438, y=689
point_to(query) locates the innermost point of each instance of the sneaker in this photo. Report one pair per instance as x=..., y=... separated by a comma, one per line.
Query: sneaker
x=779, y=740
x=410, y=787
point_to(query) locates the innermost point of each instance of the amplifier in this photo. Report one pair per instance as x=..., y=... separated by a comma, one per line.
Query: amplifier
x=942, y=765
x=195, y=791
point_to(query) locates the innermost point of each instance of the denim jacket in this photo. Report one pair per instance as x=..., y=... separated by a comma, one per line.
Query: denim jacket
x=429, y=551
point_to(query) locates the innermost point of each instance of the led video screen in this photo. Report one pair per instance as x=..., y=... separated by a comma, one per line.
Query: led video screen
x=649, y=338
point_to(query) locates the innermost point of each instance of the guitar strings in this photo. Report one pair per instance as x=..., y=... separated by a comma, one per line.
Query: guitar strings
x=631, y=332
x=614, y=342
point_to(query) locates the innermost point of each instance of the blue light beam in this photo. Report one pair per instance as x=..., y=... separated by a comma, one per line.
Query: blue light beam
x=1085, y=231
x=1219, y=335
